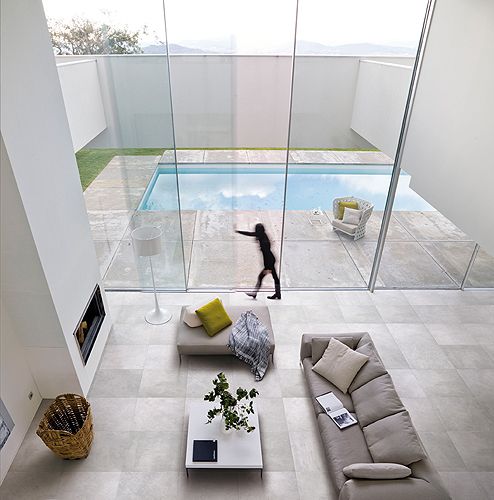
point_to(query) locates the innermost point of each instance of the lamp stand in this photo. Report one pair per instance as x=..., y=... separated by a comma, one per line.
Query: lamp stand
x=157, y=316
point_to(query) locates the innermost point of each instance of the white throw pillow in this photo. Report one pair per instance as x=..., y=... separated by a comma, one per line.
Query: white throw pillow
x=377, y=471
x=351, y=216
x=339, y=364
x=191, y=318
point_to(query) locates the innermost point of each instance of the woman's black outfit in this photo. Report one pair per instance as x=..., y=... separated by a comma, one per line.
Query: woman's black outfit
x=268, y=258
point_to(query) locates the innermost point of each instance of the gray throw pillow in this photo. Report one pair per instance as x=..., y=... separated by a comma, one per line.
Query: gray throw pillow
x=371, y=370
x=320, y=344
x=339, y=364
x=376, y=471
x=375, y=400
x=394, y=439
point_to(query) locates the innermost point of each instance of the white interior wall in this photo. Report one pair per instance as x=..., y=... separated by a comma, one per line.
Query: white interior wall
x=16, y=382
x=38, y=143
x=81, y=92
x=26, y=295
x=447, y=150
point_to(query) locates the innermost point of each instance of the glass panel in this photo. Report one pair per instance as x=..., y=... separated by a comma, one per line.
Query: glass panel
x=423, y=248
x=482, y=272
x=115, y=82
x=341, y=141
x=230, y=73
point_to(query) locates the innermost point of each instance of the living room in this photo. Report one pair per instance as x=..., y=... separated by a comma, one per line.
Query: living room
x=144, y=368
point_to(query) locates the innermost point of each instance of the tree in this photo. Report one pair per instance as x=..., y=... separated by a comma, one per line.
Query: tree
x=84, y=37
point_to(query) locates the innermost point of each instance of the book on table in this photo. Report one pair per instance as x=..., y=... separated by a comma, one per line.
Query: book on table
x=335, y=409
x=205, y=450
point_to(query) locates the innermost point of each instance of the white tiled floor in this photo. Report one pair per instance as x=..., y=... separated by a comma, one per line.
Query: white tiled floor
x=438, y=346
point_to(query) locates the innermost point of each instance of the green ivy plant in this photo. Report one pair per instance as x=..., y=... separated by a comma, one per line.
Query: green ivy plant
x=234, y=409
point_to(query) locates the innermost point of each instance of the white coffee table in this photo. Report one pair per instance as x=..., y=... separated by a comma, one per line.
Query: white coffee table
x=236, y=449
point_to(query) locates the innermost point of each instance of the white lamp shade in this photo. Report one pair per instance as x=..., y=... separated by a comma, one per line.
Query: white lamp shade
x=147, y=240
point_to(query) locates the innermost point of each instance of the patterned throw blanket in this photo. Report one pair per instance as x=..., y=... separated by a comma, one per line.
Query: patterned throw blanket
x=249, y=341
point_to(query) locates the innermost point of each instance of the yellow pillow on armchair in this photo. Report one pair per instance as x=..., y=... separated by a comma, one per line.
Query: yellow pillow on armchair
x=214, y=317
x=346, y=204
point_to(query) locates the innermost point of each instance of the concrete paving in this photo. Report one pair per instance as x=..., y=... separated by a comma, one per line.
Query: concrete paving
x=423, y=249
x=275, y=156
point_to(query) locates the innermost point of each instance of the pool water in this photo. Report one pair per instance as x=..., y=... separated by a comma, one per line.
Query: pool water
x=259, y=187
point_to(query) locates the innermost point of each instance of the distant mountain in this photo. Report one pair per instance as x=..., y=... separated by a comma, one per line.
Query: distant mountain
x=304, y=47
x=174, y=49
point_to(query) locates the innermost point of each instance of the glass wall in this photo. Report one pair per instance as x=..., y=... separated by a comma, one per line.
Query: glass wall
x=230, y=73
x=481, y=274
x=232, y=114
x=113, y=66
x=343, y=78
x=423, y=248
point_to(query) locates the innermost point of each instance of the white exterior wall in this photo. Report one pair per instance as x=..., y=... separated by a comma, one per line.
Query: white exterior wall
x=83, y=102
x=379, y=105
x=228, y=101
x=136, y=101
x=448, y=147
x=49, y=265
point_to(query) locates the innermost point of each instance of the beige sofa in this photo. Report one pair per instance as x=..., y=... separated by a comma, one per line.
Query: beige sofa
x=372, y=399
x=195, y=341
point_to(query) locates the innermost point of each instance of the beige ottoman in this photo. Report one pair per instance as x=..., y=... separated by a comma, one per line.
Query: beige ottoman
x=195, y=341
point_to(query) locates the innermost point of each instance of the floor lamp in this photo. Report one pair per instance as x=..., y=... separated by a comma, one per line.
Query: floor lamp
x=147, y=242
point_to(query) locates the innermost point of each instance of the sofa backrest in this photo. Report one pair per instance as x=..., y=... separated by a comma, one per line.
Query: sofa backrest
x=306, y=343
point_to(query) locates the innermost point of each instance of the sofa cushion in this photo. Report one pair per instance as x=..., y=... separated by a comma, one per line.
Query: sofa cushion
x=342, y=447
x=346, y=204
x=365, y=339
x=394, y=439
x=372, y=369
x=339, y=364
x=347, y=228
x=213, y=316
x=409, y=488
x=320, y=344
x=319, y=385
x=377, y=471
x=190, y=317
x=351, y=216
x=376, y=399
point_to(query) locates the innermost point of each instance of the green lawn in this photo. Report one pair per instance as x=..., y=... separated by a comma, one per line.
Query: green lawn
x=92, y=161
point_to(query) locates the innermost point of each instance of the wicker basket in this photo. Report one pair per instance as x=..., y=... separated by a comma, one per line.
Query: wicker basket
x=67, y=427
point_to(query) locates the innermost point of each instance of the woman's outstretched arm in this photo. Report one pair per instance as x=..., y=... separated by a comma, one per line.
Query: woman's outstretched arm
x=246, y=233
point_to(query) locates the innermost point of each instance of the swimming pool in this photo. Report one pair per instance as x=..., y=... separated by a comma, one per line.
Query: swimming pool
x=261, y=187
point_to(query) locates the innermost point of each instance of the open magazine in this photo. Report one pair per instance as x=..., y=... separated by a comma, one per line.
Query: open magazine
x=334, y=408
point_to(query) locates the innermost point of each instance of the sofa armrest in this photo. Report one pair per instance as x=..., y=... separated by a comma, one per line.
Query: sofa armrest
x=410, y=488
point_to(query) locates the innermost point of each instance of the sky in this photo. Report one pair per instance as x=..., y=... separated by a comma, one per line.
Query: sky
x=257, y=25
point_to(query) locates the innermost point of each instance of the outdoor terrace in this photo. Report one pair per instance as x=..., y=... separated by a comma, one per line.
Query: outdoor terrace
x=423, y=249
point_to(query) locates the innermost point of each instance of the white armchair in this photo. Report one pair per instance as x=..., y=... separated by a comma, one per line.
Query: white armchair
x=356, y=231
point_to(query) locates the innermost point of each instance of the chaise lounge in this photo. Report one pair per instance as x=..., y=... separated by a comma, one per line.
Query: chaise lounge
x=196, y=342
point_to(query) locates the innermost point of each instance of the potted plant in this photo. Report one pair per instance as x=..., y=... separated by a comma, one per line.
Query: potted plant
x=234, y=409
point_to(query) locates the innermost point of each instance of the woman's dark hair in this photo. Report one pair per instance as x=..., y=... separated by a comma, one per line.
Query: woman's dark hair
x=259, y=230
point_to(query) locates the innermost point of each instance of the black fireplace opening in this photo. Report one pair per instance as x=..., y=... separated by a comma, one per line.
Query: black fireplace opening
x=90, y=324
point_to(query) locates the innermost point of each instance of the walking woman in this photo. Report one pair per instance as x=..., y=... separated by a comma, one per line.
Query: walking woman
x=268, y=258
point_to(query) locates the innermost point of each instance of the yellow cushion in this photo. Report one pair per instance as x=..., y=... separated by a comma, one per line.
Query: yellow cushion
x=214, y=317
x=346, y=204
